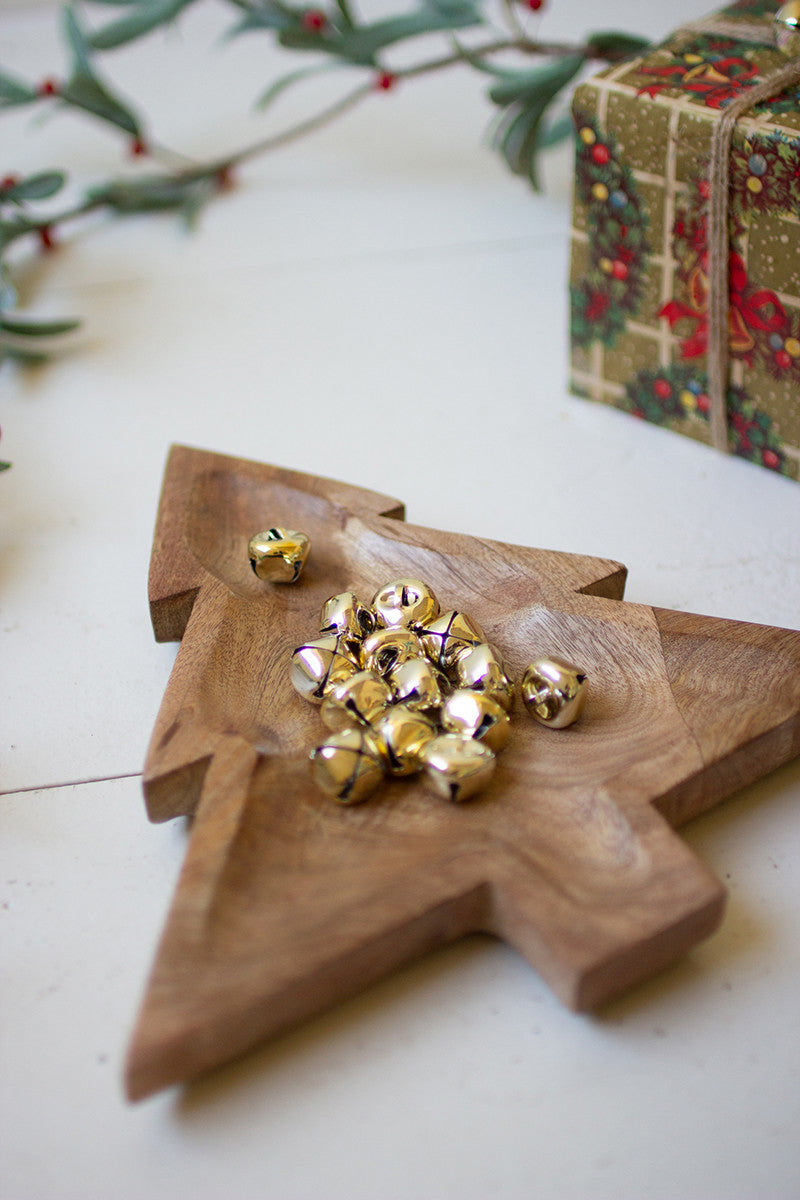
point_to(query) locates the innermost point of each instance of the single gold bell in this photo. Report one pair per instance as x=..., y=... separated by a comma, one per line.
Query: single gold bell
x=405, y=602
x=482, y=669
x=318, y=666
x=457, y=767
x=418, y=684
x=786, y=24
x=449, y=636
x=401, y=735
x=278, y=555
x=554, y=691
x=348, y=766
x=345, y=614
x=358, y=701
x=475, y=715
x=385, y=649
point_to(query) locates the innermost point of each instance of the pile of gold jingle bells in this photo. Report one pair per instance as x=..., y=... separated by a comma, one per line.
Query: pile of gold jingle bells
x=404, y=687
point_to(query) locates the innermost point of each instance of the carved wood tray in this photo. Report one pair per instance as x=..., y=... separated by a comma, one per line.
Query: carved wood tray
x=288, y=902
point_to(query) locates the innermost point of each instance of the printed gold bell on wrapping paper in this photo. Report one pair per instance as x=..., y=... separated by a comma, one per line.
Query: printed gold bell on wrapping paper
x=318, y=666
x=448, y=637
x=457, y=767
x=358, y=701
x=407, y=602
x=348, y=766
x=278, y=555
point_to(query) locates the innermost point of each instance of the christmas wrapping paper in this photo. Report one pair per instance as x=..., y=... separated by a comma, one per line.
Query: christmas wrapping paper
x=640, y=270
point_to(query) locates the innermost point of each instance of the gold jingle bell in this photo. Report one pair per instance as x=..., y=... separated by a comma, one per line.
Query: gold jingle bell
x=318, y=666
x=344, y=613
x=405, y=602
x=348, y=766
x=786, y=24
x=386, y=649
x=401, y=735
x=476, y=715
x=554, y=691
x=450, y=636
x=358, y=701
x=482, y=669
x=457, y=767
x=278, y=555
x=417, y=684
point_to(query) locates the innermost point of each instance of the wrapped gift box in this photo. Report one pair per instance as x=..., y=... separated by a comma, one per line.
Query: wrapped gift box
x=640, y=271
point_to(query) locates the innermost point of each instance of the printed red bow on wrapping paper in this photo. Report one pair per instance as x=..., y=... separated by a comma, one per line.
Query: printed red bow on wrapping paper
x=749, y=310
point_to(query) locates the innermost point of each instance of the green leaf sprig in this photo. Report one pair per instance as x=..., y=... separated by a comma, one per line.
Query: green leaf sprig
x=334, y=38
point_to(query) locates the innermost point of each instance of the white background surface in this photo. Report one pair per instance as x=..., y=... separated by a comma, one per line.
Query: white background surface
x=384, y=304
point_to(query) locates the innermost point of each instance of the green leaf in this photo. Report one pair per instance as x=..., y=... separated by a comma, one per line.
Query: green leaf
x=151, y=194
x=344, y=11
x=84, y=90
x=526, y=96
x=148, y=15
x=361, y=44
x=561, y=128
x=118, y=3
x=36, y=187
x=4, y=466
x=23, y=353
x=88, y=93
x=541, y=84
x=77, y=43
x=280, y=85
x=272, y=15
x=614, y=46
x=24, y=327
x=13, y=92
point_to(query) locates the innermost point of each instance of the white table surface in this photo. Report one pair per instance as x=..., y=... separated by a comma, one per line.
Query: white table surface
x=381, y=303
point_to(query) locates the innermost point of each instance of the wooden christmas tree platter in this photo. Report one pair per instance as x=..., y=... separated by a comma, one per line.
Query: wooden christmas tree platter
x=289, y=902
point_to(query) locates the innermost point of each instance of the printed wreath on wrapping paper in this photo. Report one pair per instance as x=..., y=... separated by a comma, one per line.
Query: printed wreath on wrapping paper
x=673, y=395
x=612, y=289
x=765, y=174
x=760, y=329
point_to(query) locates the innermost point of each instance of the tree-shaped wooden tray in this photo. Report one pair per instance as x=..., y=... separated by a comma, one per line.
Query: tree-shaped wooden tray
x=289, y=902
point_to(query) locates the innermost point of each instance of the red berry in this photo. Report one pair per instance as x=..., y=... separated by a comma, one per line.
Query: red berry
x=46, y=238
x=385, y=81
x=705, y=189
x=535, y=5
x=600, y=153
x=314, y=20
x=783, y=359
x=619, y=269
x=662, y=389
x=224, y=179
x=48, y=87
x=7, y=183
x=770, y=459
x=138, y=147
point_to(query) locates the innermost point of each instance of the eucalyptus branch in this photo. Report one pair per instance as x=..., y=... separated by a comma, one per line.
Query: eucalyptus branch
x=523, y=95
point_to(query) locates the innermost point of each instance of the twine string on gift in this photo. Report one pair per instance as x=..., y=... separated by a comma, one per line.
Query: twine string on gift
x=718, y=241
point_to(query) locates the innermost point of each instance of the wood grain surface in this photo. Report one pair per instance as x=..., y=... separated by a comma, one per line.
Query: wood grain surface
x=288, y=902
